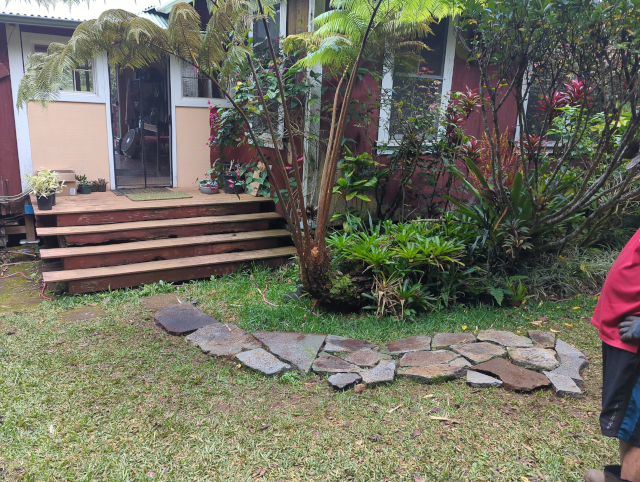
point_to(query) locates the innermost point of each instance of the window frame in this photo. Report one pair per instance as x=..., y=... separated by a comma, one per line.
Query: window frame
x=98, y=69
x=447, y=79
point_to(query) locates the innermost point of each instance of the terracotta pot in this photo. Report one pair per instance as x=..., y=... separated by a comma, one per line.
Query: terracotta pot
x=516, y=304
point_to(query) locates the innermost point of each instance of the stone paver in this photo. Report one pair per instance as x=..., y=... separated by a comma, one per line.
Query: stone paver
x=461, y=362
x=505, y=338
x=336, y=344
x=564, y=349
x=480, y=380
x=405, y=345
x=563, y=385
x=82, y=313
x=220, y=339
x=332, y=364
x=384, y=372
x=183, y=319
x=342, y=381
x=160, y=302
x=545, y=339
x=513, y=377
x=426, y=358
x=536, y=358
x=300, y=349
x=432, y=373
x=262, y=361
x=442, y=341
x=571, y=366
x=365, y=357
x=479, y=352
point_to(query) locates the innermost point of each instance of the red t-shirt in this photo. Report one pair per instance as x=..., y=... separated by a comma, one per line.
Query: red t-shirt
x=620, y=295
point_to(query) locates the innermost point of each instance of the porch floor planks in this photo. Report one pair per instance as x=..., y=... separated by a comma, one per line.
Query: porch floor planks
x=155, y=224
x=108, y=201
x=107, y=249
x=166, y=265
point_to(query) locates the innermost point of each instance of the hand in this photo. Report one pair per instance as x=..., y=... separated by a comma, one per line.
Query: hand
x=630, y=329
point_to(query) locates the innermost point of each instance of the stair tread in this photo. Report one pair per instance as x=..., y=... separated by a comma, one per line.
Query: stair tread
x=160, y=243
x=150, y=266
x=105, y=202
x=155, y=224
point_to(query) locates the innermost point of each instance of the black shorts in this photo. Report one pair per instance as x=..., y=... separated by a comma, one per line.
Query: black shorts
x=620, y=394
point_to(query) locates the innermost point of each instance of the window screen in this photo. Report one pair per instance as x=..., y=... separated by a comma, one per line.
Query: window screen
x=78, y=80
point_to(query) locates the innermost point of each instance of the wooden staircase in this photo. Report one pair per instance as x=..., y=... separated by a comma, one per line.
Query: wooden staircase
x=109, y=242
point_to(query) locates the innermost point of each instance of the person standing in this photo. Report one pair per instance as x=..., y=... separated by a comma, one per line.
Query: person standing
x=617, y=317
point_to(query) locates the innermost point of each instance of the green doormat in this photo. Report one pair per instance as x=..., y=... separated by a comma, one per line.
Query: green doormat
x=154, y=196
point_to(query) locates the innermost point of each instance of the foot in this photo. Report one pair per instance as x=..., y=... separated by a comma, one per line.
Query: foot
x=594, y=475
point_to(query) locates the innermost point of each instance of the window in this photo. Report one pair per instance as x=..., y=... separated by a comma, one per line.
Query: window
x=195, y=84
x=424, y=86
x=79, y=80
x=260, y=35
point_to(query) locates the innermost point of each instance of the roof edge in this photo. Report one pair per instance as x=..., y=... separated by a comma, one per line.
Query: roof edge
x=39, y=21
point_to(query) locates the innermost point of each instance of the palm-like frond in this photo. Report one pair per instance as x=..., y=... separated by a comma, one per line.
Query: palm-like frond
x=396, y=27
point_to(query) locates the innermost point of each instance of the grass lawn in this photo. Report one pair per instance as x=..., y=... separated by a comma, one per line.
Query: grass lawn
x=118, y=399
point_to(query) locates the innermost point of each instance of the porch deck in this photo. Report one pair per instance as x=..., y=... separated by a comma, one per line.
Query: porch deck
x=108, y=241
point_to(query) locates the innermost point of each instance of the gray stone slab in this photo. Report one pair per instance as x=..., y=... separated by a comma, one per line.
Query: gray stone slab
x=479, y=352
x=545, y=339
x=443, y=341
x=432, y=373
x=299, y=349
x=384, y=372
x=219, y=339
x=461, y=362
x=536, y=358
x=337, y=344
x=505, y=338
x=183, y=319
x=342, y=381
x=513, y=377
x=365, y=357
x=426, y=358
x=480, y=380
x=564, y=348
x=563, y=385
x=332, y=364
x=571, y=366
x=405, y=345
x=263, y=362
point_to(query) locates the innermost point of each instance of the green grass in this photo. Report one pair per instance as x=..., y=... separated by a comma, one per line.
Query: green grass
x=118, y=399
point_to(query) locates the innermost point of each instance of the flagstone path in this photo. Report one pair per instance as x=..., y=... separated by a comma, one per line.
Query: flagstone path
x=492, y=359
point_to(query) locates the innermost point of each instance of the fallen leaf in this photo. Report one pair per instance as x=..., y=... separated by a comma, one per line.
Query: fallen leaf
x=576, y=307
x=537, y=323
x=429, y=396
x=264, y=427
x=359, y=388
x=464, y=327
x=527, y=447
x=554, y=331
x=419, y=479
x=568, y=324
x=261, y=472
x=394, y=408
x=358, y=442
x=416, y=433
x=445, y=419
x=12, y=332
x=52, y=430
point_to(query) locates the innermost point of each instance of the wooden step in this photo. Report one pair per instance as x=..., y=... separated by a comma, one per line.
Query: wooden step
x=163, y=228
x=160, y=249
x=113, y=277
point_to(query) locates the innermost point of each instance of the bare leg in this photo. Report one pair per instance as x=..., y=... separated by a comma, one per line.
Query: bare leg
x=630, y=460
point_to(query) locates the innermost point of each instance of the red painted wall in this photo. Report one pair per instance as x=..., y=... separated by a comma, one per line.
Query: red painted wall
x=9, y=163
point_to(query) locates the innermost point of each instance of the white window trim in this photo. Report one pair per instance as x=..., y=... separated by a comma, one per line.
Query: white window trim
x=178, y=100
x=98, y=70
x=447, y=80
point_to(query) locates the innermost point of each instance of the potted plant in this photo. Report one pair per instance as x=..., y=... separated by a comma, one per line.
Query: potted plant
x=102, y=185
x=230, y=176
x=44, y=185
x=94, y=186
x=516, y=295
x=208, y=186
x=84, y=186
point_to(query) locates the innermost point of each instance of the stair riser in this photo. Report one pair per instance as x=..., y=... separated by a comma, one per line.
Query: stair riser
x=153, y=214
x=182, y=274
x=116, y=259
x=160, y=233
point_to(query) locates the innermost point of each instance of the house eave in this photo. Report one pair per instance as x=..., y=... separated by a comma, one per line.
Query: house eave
x=39, y=21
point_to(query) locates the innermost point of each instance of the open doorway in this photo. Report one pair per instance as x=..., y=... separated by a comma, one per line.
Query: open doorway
x=141, y=118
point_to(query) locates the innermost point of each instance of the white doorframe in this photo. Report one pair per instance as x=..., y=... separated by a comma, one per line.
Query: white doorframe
x=16, y=67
